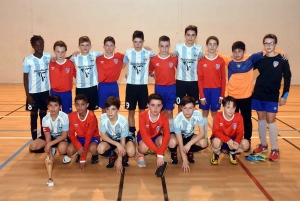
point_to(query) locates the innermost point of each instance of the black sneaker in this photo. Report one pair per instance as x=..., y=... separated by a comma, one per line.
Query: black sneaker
x=95, y=159
x=125, y=161
x=77, y=158
x=190, y=156
x=111, y=161
x=174, y=159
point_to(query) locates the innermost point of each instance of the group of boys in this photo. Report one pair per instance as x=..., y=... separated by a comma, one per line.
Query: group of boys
x=199, y=79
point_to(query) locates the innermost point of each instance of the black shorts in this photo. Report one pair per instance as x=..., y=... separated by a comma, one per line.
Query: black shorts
x=186, y=140
x=128, y=139
x=184, y=88
x=39, y=101
x=92, y=95
x=42, y=137
x=136, y=94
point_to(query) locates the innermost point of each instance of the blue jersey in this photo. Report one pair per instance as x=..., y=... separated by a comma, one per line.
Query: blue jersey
x=118, y=130
x=86, y=69
x=138, y=65
x=188, y=57
x=56, y=127
x=38, y=72
x=187, y=127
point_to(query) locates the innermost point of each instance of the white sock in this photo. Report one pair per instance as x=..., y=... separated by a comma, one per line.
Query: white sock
x=212, y=122
x=205, y=120
x=216, y=151
x=262, y=131
x=171, y=124
x=273, y=132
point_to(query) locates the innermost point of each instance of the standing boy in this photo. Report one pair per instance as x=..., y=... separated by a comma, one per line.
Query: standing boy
x=86, y=72
x=228, y=132
x=211, y=80
x=138, y=59
x=272, y=67
x=188, y=55
x=109, y=67
x=36, y=83
x=184, y=124
x=114, y=134
x=84, y=123
x=61, y=73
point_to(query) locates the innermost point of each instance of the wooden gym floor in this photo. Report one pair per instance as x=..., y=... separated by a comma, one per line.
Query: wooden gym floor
x=23, y=175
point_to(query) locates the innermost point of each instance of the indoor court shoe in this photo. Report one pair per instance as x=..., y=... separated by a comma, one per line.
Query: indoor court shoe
x=190, y=157
x=125, y=161
x=111, y=161
x=53, y=151
x=95, y=159
x=50, y=182
x=232, y=158
x=174, y=159
x=160, y=171
x=141, y=161
x=66, y=160
x=274, y=155
x=260, y=149
x=214, y=158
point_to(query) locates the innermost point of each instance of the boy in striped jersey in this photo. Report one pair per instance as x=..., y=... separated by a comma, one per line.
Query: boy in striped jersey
x=86, y=72
x=36, y=84
x=138, y=59
x=188, y=55
x=114, y=134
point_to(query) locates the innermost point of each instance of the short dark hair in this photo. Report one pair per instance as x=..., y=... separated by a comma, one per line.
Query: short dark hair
x=54, y=99
x=81, y=97
x=238, y=45
x=212, y=38
x=192, y=28
x=84, y=39
x=270, y=36
x=112, y=101
x=227, y=100
x=187, y=99
x=36, y=38
x=60, y=43
x=164, y=38
x=110, y=39
x=155, y=97
x=138, y=34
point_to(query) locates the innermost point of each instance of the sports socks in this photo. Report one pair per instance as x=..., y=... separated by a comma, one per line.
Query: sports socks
x=216, y=151
x=108, y=153
x=195, y=148
x=171, y=122
x=33, y=125
x=262, y=130
x=172, y=150
x=205, y=120
x=273, y=132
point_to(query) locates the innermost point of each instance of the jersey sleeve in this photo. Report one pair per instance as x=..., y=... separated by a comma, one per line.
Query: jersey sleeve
x=72, y=136
x=166, y=136
x=92, y=125
x=45, y=126
x=177, y=128
x=176, y=50
x=200, y=53
x=223, y=79
x=26, y=66
x=226, y=58
x=151, y=66
x=126, y=59
x=72, y=66
x=102, y=124
x=255, y=57
x=72, y=59
x=200, y=120
x=125, y=130
x=239, y=129
x=286, y=71
x=152, y=54
x=217, y=132
x=200, y=80
x=65, y=126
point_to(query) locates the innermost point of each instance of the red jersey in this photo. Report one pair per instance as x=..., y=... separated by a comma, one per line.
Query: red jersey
x=109, y=69
x=61, y=75
x=86, y=128
x=164, y=69
x=211, y=74
x=149, y=129
x=226, y=129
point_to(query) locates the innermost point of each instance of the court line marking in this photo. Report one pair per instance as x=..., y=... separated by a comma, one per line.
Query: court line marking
x=121, y=185
x=11, y=112
x=287, y=124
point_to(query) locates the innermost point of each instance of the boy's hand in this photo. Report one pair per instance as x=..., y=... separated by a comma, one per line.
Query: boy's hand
x=284, y=55
x=282, y=101
x=47, y=148
x=186, y=148
x=220, y=100
x=121, y=149
x=159, y=161
x=74, y=54
x=236, y=145
x=185, y=166
x=53, y=59
x=30, y=100
x=148, y=48
x=203, y=101
x=81, y=151
x=82, y=165
x=230, y=144
x=172, y=54
x=119, y=166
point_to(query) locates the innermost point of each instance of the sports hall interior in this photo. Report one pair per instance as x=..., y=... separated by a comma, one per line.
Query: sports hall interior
x=23, y=174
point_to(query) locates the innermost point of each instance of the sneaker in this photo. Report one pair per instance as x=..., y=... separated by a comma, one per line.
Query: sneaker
x=111, y=161
x=174, y=159
x=95, y=159
x=214, y=158
x=50, y=182
x=274, y=155
x=232, y=158
x=190, y=156
x=141, y=161
x=77, y=158
x=66, y=160
x=125, y=161
x=53, y=151
x=260, y=149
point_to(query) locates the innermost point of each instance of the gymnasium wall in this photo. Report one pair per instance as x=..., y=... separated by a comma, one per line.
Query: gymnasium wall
x=67, y=20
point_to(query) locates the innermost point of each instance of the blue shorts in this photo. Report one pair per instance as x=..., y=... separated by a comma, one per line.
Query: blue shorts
x=66, y=100
x=168, y=92
x=260, y=105
x=82, y=140
x=139, y=138
x=224, y=145
x=212, y=97
x=105, y=90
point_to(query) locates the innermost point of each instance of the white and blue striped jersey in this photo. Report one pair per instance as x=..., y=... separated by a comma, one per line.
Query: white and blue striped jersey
x=56, y=127
x=187, y=127
x=116, y=131
x=188, y=57
x=86, y=69
x=38, y=73
x=138, y=65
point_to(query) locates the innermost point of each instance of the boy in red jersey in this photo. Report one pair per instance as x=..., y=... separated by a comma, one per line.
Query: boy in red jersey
x=228, y=132
x=154, y=131
x=212, y=87
x=84, y=123
x=109, y=67
x=61, y=73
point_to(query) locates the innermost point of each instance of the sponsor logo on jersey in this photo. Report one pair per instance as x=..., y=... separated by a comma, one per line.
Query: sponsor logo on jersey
x=239, y=65
x=75, y=125
x=275, y=108
x=52, y=68
x=67, y=70
x=147, y=125
x=221, y=124
x=217, y=66
x=157, y=64
x=275, y=64
x=234, y=125
x=204, y=65
x=92, y=60
x=157, y=128
x=115, y=61
x=102, y=62
x=171, y=64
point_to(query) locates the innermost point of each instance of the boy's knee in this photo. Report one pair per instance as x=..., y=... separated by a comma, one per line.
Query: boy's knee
x=130, y=152
x=93, y=149
x=142, y=148
x=244, y=144
x=203, y=143
x=101, y=149
x=216, y=143
x=172, y=143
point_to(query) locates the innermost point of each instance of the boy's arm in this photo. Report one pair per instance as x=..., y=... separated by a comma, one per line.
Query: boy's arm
x=217, y=132
x=201, y=132
x=239, y=130
x=223, y=79
x=125, y=60
x=145, y=137
x=25, y=81
x=287, y=75
x=63, y=136
x=74, y=70
x=72, y=136
x=166, y=137
x=88, y=137
x=200, y=81
x=226, y=58
x=151, y=67
x=180, y=143
x=105, y=138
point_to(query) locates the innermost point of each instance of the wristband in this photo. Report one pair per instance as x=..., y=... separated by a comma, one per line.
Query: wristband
x=82, y=161
x=285, y=95
x=160, y=156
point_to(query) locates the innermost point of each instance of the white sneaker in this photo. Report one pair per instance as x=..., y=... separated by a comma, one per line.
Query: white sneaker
x=50, y=182
x=141, y=161
x=66, y=160
x=53, y=151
